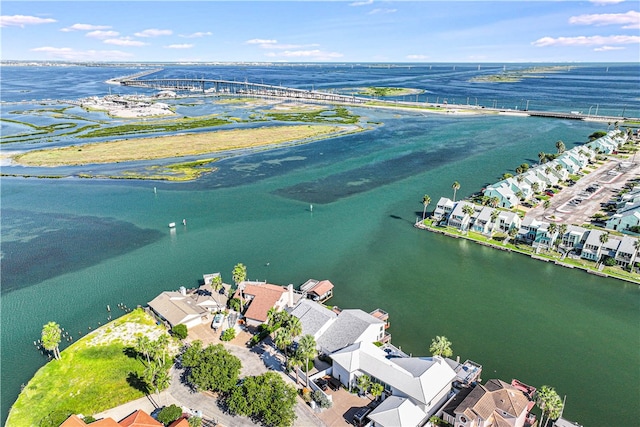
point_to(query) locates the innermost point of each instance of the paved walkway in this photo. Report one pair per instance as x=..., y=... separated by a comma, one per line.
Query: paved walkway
x=255, y=361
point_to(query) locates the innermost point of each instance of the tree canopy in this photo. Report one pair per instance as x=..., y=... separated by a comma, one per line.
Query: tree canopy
x=213, y=369
x=266, y=398
x=441, y=346
x=169, y=414
x=51, y=336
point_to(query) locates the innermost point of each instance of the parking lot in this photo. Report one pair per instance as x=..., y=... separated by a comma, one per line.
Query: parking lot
x=576, y=204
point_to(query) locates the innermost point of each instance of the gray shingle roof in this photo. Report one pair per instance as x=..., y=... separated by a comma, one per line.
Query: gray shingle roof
x=346, y=329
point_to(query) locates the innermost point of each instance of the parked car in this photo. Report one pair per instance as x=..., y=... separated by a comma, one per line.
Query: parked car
x=360, y=417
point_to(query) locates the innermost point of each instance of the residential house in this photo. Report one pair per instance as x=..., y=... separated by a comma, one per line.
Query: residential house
x=625, y=218
x=495, y=404
x=592, y=248
x=626, y=252
x=506, y=196
x=483, y=223
x=508, y=220
x=574, y=237
x=351, y=326
x=334, y=330
x=563, y=422
x=138, y=418
x=458, y=218
x=443, y=209
x=190, y=308
x=426, y=382
x=314, y=318
x=397, y=411
x=259, y=297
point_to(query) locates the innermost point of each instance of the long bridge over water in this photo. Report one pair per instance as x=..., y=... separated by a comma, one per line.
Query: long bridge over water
x=228, y=87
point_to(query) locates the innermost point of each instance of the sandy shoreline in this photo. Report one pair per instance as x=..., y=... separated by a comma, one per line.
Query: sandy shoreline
x=174, y=146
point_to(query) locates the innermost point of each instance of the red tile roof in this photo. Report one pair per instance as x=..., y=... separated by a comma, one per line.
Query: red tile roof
x=322, y=288
x=265, y=296
x=73, y=421
x=140, y=419
x=180, y=422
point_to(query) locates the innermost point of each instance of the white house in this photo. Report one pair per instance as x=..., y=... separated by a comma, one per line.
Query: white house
x=397, y=411
x=443, y=208
x=333, y=331
x=424, y=381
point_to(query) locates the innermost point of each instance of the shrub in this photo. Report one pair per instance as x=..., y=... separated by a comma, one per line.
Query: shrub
x=609, y=262
x=228, y=334
x=180, y=331
x=306, y=395
x=195, y=422
x=322, y=400
x=169, y=414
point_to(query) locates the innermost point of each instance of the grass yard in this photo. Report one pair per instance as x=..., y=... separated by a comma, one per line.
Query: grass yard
x=93, y=375
x=176, y=145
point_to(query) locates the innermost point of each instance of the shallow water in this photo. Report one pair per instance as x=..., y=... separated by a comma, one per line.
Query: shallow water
x=72, y=246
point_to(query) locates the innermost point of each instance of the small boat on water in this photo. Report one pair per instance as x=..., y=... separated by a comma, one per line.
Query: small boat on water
x=172, y=225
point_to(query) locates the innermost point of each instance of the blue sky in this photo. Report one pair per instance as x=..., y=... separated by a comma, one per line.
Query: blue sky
x=322, y=31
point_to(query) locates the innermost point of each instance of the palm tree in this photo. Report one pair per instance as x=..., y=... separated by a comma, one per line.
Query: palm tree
x=216, y=282
x=294, y=362
x=519, y=196
x=468, y=210
x=425, y=201
x=604, y=238
x=550, y=403
x=494, y=202
x=282, y=339
x=562, y=230
x=560, y=146
x=535, y=187
x=363, y=382
x=494, y=218
x=542, y=156
x=307, y=350
x=551, y=230
x=293, y=325
x=456, y=187
x=239, y=273
x=513, y=232
x=143, y=347
x=376, y=390
x=51, y=337
x=441, y=346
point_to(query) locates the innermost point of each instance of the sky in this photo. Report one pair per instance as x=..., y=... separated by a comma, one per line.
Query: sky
x=321, y=31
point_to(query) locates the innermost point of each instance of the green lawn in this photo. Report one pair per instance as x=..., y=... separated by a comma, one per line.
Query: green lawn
x=94, y=374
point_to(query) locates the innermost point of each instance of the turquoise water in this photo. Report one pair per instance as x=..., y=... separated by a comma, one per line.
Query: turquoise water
x=70, y=247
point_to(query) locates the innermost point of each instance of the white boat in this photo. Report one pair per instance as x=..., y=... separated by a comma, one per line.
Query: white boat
x=172, y=225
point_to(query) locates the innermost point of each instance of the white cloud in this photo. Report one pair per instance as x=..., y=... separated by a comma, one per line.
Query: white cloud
x=99, y=34
x=196, y=35
x=69, y=54
x=586, y=41
x=125, y=41
x=607, y=48
x=153, y=32
x=179, y=46
x=629, y=20
x=261, y=41
x=605, y=2
x=382, y=11
x=22, y=20
x=361, y=3
x=85, y=27
x=417, y=57
x=314, y=54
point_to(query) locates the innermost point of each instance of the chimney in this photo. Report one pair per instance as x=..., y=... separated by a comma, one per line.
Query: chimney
x=290, y=289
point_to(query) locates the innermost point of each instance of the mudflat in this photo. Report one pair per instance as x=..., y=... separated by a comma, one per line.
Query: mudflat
x=177, y=145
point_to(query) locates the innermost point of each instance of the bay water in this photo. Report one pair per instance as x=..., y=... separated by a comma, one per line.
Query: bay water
x=70, y=247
